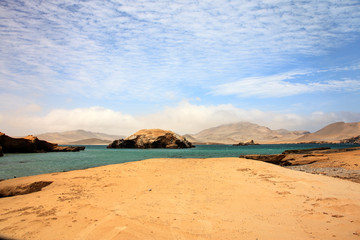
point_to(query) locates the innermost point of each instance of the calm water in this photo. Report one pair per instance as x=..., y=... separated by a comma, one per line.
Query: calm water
x=20, y=165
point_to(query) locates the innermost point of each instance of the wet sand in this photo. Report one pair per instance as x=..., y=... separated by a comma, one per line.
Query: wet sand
x=219, y=198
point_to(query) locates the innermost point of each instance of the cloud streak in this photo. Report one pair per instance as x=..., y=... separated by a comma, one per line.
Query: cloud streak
x=283, y=85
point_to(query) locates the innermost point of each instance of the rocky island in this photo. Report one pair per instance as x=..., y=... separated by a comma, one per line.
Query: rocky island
x=152, y=138
x=31, y=144
x=251, y=142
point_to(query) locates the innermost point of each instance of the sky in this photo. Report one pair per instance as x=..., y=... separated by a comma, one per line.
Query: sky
x=119, y=66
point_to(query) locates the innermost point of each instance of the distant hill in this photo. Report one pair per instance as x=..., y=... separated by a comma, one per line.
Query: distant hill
x=91, y=141
x=190, y=138
x=78, y=137
x=243, y=131
x=333, y=132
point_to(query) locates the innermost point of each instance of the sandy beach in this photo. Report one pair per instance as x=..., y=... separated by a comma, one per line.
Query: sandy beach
x=216, y=198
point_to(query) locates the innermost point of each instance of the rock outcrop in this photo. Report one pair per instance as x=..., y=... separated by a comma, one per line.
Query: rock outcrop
x=273, y=158
x=152, y=138
x=31, y=144
x=353, y=140
x=297, y=157
x=1, y=152
x=305, y=151
x=9, y=191
x=251, y=142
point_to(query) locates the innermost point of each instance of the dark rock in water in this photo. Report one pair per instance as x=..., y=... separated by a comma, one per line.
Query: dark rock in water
x=277, y=159
x=16, y=145
x=305, y=151
x=31, y=144
x=68, y=149
x=1, y=152
x=286, y=158
x=353, y=140
x=121, y=143
x=152, y=138
x=251, y=142
x=317, y=142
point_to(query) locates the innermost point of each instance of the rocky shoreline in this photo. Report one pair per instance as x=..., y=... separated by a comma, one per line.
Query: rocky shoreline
x=340, y=163
x=337, y=172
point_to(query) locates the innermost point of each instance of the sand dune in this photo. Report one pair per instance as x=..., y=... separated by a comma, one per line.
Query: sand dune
x=223, y=198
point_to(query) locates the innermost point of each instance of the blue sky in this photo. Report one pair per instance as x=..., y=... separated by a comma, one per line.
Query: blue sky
x=118, y=66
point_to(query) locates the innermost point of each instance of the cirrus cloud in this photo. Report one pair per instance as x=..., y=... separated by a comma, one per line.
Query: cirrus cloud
x=133, y=48
x=283, y=85
x=136, y=54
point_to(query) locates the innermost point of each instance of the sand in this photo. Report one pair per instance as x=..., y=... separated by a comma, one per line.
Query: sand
x=219, y=198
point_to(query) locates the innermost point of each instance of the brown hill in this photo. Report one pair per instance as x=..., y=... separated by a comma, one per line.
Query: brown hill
x=244, y=131
x=91, y=141
x=333, y=132
x=71, y=137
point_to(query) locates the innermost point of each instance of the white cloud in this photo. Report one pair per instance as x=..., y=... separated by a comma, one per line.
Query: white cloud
x=282, y=85
x=94, y=118
x=183, y=118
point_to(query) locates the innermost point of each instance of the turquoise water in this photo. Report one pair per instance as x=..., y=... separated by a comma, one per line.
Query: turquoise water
x=20, y=165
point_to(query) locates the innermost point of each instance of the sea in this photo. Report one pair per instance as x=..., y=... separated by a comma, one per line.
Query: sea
x=28, y=164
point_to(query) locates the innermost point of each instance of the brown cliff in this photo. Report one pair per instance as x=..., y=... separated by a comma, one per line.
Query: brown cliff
x=31, y=144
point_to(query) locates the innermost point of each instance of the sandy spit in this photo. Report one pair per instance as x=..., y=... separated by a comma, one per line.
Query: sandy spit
x=216, y=198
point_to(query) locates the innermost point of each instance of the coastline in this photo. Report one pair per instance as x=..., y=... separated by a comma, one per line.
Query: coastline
x=340, y=163
x=20, y=165
x=214, y=198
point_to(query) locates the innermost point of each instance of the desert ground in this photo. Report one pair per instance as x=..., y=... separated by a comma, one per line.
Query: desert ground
x=215, y=198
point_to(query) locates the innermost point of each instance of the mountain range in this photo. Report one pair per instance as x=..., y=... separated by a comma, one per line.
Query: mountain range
x=223, y=134
x=244, y=131
x=79, y=137
x=333, y=132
